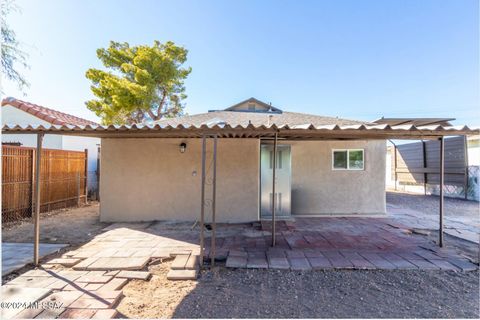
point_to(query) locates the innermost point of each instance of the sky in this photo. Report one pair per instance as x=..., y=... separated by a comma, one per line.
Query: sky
x=347, y=58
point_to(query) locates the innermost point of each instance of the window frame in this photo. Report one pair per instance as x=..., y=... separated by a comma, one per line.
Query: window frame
x=348, y=160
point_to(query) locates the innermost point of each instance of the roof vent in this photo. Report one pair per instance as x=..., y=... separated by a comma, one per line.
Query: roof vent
x=215, y=121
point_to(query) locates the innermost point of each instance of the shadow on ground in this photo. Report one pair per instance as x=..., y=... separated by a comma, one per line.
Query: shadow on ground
x=332, y=294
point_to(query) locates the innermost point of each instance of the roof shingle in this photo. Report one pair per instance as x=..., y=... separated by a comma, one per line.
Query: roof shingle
x=235, y=118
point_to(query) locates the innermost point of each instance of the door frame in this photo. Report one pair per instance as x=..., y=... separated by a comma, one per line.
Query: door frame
x=270, y=142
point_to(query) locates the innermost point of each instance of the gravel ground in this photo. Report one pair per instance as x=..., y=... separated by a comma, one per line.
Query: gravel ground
x=429, y=204
x=243, y=293
x=72, y=226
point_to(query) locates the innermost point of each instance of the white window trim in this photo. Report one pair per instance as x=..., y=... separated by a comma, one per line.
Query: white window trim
x=348, y=160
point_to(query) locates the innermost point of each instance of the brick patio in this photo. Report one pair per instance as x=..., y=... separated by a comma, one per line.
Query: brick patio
x=88, y=281
x=338, y=243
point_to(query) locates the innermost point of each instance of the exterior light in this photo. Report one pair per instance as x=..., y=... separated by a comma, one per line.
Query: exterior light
x=183, y=147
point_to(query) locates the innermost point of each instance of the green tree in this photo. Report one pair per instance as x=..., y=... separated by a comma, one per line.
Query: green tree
x=12, y=55
x=143, y=83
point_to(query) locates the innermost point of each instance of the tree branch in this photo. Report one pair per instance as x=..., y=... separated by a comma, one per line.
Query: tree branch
x=160, y=105
x=151, y=114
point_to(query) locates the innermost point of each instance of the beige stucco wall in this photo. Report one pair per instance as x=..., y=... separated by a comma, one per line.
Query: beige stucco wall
x=149, y=179
x=317, y=189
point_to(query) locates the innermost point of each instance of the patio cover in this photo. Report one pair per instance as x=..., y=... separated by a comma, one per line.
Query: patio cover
x=220, y=129
x=289, y=132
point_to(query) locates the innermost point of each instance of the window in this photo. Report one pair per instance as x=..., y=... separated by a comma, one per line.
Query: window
x=347, y=159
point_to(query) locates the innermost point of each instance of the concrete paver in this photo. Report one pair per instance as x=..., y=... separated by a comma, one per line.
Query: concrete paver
x=278, y=263
x=140, y=275
x=236, y=262
x=299, y=264
x=182, y=274
x=19, y=295
x=180, y=261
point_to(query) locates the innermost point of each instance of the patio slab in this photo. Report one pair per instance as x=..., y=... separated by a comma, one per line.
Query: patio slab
x=19, y=295
x=337, y=242
x=17, y=255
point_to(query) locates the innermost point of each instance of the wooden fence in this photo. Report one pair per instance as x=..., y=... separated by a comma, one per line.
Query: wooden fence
x=63, y=180
x=419, y=163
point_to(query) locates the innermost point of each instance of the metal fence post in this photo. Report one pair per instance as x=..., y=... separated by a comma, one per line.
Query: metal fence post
x=214, y=201
x=78, y=189
x=38, y=164
x=202, y=207
x=442, y=174
x=86, y=175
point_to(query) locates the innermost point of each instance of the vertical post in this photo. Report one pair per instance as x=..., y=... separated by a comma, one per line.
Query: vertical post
x=38, y=165
x=98, y=172
x=425, y=174
x=214, y=196
x=202, y=208
x=86, y=175
x=442, y=173
x=395, y=160
x=78, y=189
x=33, y=192
x=273, y=187
x=465, y=184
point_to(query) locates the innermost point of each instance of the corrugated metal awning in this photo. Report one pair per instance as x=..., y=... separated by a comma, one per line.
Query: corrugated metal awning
x=294, y=132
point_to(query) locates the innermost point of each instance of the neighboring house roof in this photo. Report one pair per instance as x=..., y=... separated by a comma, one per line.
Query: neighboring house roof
x=267, y=116
x=47, y=114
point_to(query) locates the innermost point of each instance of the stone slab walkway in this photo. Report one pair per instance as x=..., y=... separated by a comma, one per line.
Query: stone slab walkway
x=17, y=255
x=87, y=282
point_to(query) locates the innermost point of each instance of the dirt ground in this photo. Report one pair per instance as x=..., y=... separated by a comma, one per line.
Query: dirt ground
x=241, y=293
x=429, y=204
x=244, y=293
x=71, y=226
x=79, y=225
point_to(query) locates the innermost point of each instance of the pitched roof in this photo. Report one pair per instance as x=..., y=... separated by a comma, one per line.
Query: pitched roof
x=236, y=118
x=233, y=116
x=46, y=114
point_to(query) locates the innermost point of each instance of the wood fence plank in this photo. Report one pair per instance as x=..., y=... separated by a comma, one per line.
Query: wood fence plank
x=59, y=171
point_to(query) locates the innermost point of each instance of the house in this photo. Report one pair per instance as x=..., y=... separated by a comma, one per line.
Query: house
x=18, y=112
x=313, y=177
x=222, y=162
